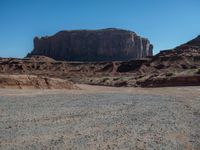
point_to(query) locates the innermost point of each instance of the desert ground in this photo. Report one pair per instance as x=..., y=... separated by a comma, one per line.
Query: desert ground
x=97, y=117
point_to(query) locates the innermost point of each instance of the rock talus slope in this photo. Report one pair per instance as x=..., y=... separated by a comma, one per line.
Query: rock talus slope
x=178, y=66
x=34, y=82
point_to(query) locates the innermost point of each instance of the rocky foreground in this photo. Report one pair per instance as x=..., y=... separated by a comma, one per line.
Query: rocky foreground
x=101, y=118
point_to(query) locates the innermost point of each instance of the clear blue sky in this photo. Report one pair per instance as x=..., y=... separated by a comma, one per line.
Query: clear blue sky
x=167, y=23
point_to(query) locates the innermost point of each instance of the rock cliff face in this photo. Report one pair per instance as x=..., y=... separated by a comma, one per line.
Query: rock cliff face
x=93, y=45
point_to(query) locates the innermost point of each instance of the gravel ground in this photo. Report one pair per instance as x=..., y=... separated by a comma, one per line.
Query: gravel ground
x=101, y=118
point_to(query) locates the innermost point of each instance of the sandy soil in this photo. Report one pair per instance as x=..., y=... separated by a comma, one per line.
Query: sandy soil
x=101, y=118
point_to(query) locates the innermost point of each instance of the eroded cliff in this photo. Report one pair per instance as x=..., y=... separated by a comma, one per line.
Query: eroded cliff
x=93, y=45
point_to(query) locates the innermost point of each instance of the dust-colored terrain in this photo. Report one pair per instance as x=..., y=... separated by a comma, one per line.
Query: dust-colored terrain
x=34, y=82
x=101, y=118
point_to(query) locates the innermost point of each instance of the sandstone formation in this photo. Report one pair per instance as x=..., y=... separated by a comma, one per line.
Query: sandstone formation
x=93, y=45
x=176, y=67
x=34, y=82
x=182, y=58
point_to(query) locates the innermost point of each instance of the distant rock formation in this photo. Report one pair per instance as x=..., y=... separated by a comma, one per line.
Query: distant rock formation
x=175, y=67
x=93, y=45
